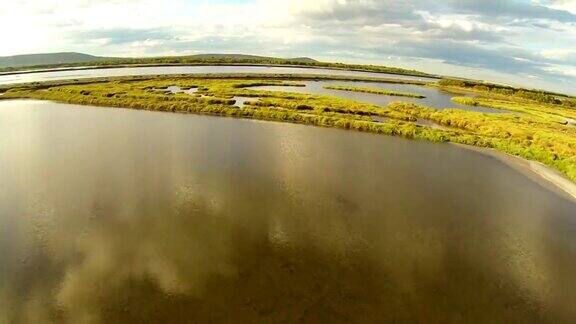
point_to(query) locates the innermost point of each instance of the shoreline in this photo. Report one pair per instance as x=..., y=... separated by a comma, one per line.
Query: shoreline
x=544, y=175
x=136, y=65
x=249, y=75
x=538, y=172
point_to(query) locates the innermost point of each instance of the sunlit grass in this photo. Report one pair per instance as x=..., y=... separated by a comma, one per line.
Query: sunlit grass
x=379, y=91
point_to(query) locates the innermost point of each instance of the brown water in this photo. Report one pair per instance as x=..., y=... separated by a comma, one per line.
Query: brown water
x=115, y=216
x=434, y=97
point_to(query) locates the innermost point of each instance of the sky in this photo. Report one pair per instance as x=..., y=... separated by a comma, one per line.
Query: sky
x=529, y=43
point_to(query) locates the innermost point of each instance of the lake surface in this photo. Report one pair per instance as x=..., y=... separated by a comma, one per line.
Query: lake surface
x=93, y=73
x=435, y=98
x=114, y=216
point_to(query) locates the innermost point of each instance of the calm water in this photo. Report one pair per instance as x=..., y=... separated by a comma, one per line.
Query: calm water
x=63, y=75
x=434, y=97
x=115, y=216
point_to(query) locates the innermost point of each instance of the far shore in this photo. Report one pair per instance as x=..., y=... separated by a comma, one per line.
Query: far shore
x=113, y=66
x=536, y=171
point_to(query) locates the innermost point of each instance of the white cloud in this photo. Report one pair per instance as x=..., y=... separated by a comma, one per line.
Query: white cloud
x=560, y=54
x=567, y=71
x=568, y=5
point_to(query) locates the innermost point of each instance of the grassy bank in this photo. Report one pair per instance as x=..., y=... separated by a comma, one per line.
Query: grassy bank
x=379, y=91
x=507, y=93
x=535, y=131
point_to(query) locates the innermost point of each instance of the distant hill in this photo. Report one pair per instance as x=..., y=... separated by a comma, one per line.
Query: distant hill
x=49, y=59
x=247, y=57
x=304, y=59
x=46, y=59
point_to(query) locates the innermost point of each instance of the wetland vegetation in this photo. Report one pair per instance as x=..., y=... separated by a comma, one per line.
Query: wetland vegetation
x=534, y=125
x=380, y=91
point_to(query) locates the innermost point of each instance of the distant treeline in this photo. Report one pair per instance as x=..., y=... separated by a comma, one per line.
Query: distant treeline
x=540, y=96
x=223, y=60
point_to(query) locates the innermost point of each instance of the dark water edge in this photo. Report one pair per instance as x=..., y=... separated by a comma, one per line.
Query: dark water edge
x=114, y=216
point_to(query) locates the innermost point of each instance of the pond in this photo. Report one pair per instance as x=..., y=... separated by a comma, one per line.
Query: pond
x=116, y=215
x=435, y=98
x=150, y=70
x=193, y=91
